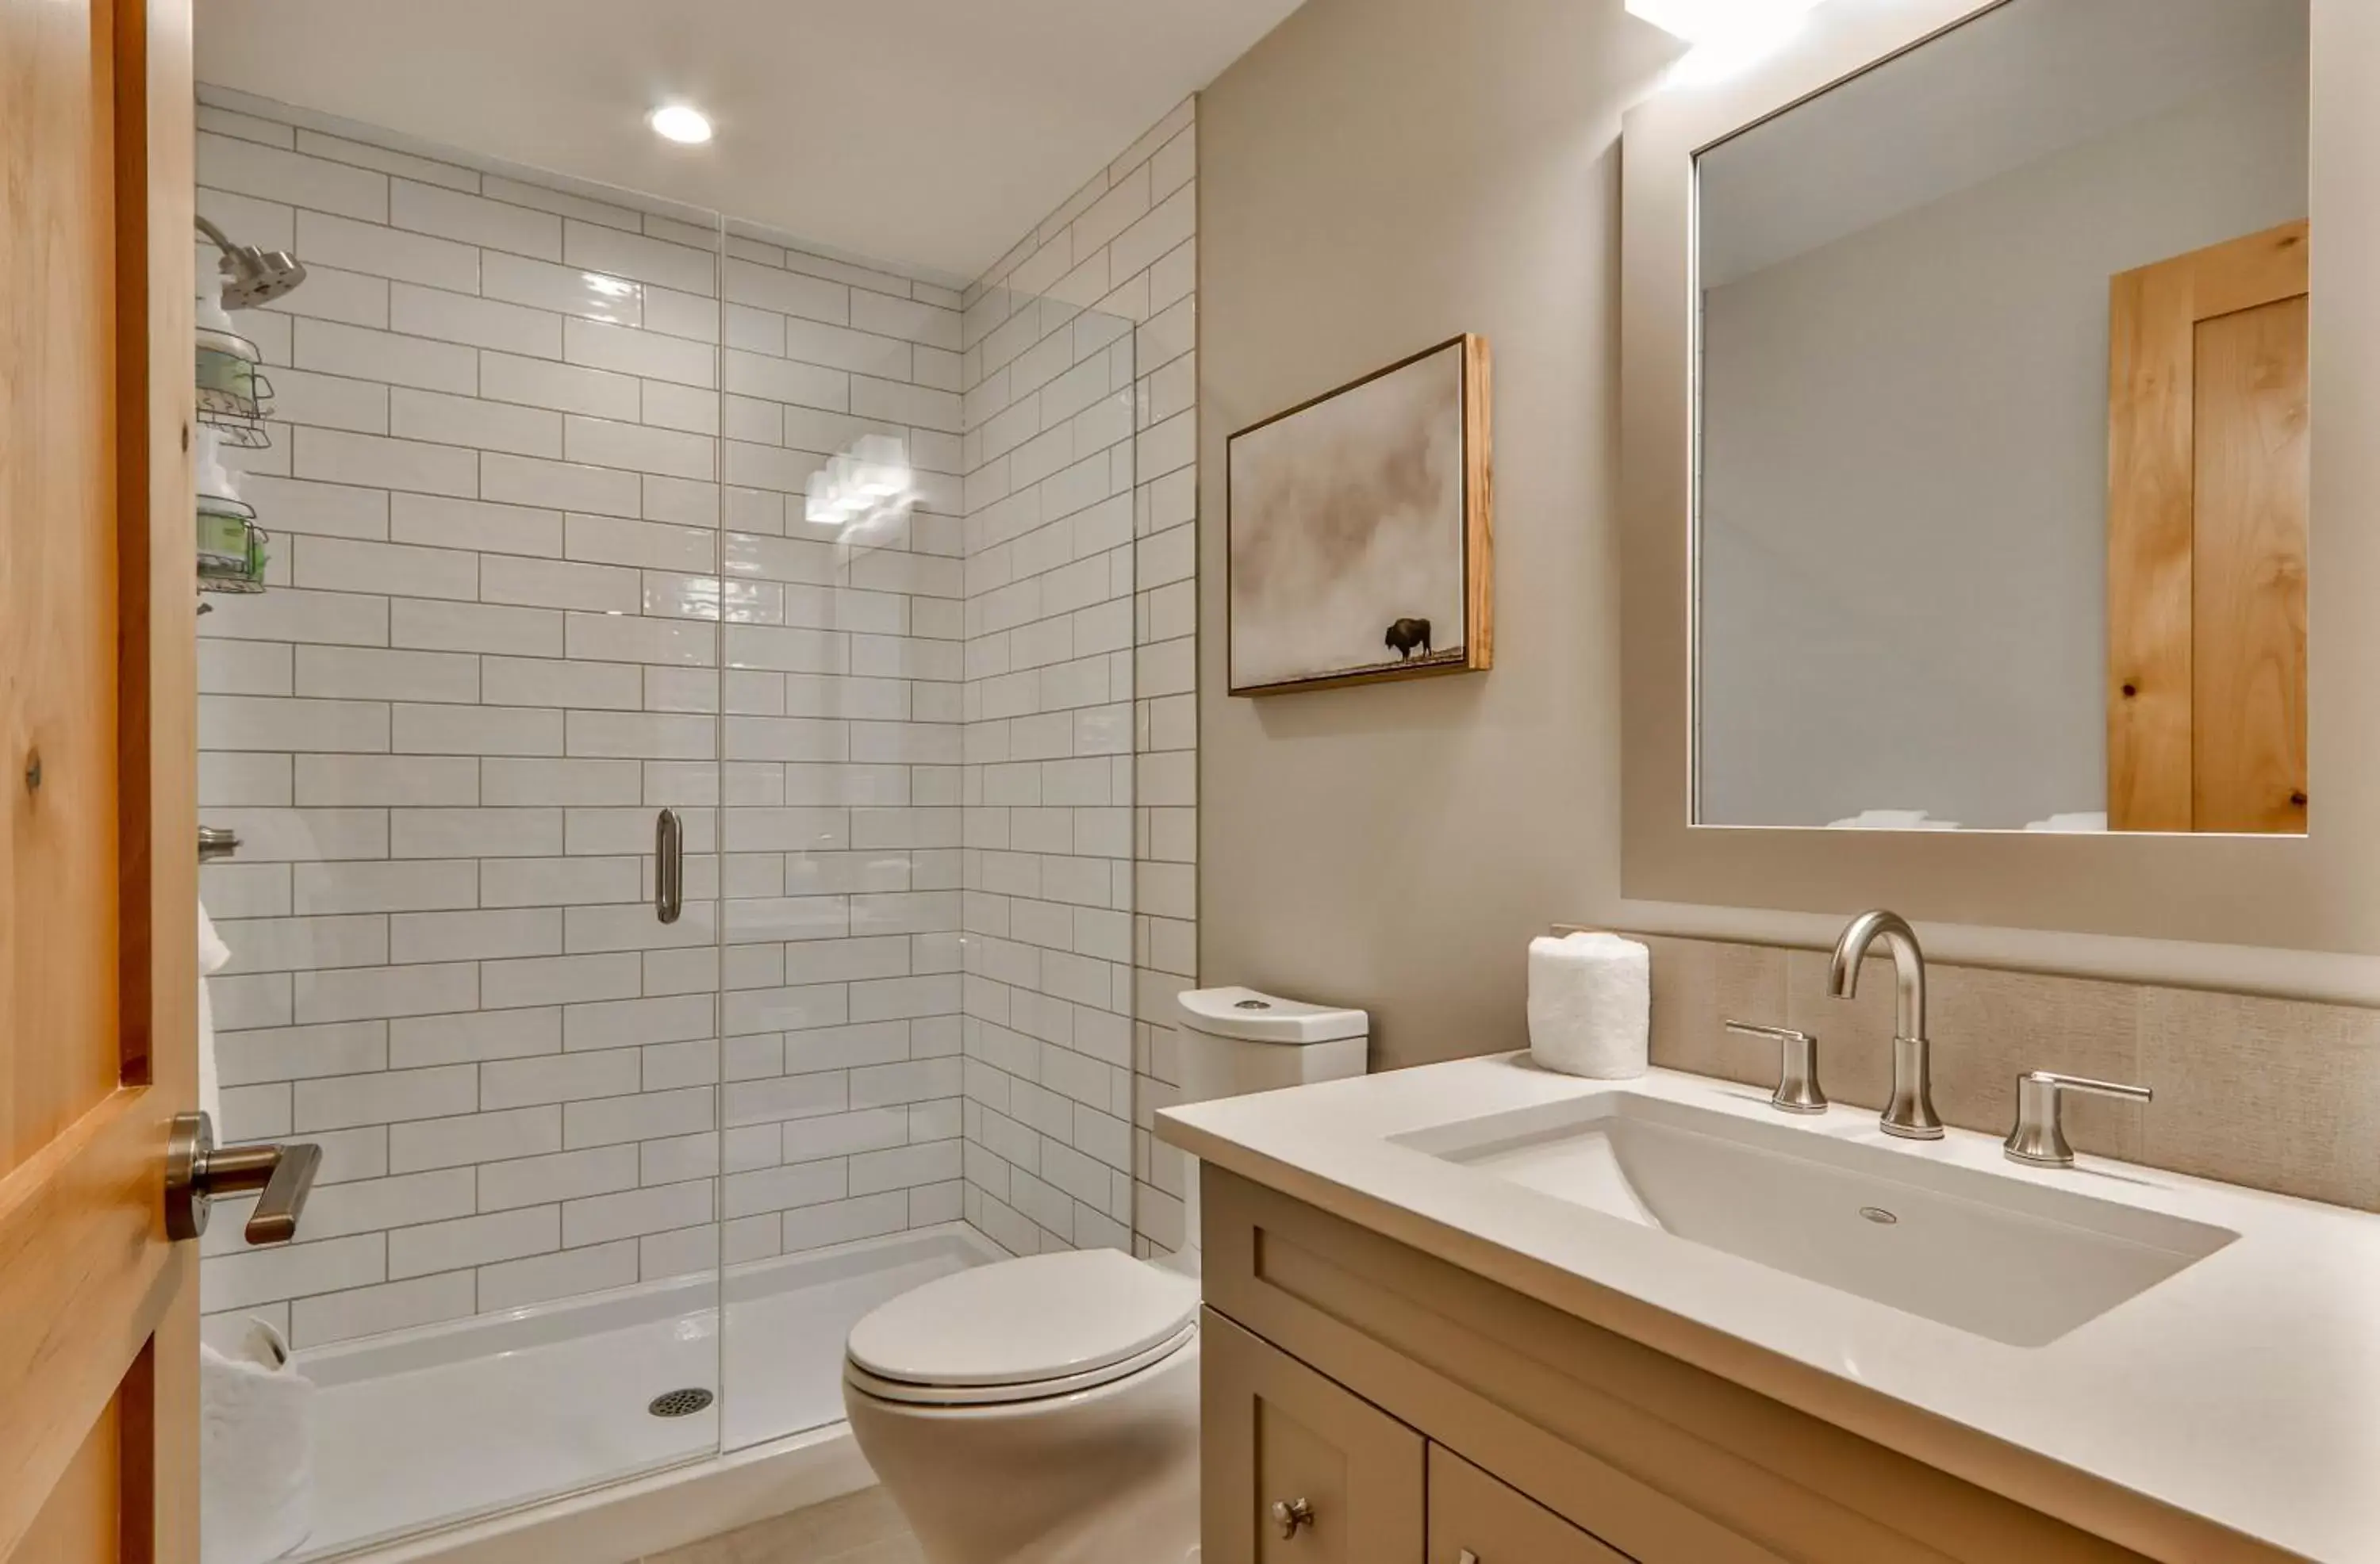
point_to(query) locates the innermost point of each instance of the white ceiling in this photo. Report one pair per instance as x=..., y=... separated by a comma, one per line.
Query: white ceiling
x=929, y=132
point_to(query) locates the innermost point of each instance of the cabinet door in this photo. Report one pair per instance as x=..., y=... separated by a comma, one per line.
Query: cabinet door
x=1474, y=1519
x=1296, y=1469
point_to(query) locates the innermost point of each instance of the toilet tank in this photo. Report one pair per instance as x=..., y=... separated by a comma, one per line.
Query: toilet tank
x=1233, y=1041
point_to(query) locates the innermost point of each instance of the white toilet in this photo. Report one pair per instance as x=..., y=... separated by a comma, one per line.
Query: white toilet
x=1044, y=1409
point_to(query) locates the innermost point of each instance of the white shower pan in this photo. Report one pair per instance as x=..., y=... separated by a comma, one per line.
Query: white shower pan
x=529, y=1435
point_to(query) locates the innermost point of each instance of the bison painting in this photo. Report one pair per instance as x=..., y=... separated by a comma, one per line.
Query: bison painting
x=1409, y=636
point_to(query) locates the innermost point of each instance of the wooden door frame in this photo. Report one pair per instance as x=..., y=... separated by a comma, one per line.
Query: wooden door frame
x=2153, y=316
x=93, y=1297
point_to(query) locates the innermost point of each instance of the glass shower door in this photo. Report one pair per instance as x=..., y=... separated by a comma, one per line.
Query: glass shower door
x=484, y=662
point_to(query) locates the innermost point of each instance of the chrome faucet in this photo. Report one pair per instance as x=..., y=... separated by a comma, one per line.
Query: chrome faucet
x=1910, y=1114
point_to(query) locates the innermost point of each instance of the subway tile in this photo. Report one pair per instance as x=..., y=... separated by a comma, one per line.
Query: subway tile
x=481, y=425
x=622, y=638
x=371, y=675
x=427, y=170
x=682, y=314
x=297, y=1270
x=294, y=1053
x=538, y=682
x=560, y=979
x=327, y=402
x=564, y=1077
x=455, y=627
x=514, y=882
x=333, y=349
x=475, y=730
x=650, y=355
x=670, y=453
x=473, y=1240
x=541, y=583
x=779, y=1189
x=372, y=1311
x=387, y=252
x=843, y=1222
x=549, y=1180
x=603, y=1217
x=371, y=461
x=786, y=380
x=448, y=523
x=376, y=1205
x=650, y=1116
x=566, y=486
x=339, y=1102
x=474, y=220
x=475, y=935
x=569, y=1274
x=266, y=722
x=479, y=323
x=417, y=1042
x=684, y=408
x=475, y=833
x=636, y=1023
x=566, y=290
x=343, y=564
x=392, y=780
x=475, y=1137
x=274, y=174
x=568, y=388
x=605, y=250
x=535, y=781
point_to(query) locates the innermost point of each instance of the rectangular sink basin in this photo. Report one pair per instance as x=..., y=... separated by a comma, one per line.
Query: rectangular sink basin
x=2000, y=1257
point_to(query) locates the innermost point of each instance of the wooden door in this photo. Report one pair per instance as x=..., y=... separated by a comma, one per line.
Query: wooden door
x=2206, y=539
x=98, y=980
x=1295, y=1469
x=1474, y=1519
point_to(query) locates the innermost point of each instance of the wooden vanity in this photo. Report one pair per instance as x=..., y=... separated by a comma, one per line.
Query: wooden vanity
x=1367, y=1403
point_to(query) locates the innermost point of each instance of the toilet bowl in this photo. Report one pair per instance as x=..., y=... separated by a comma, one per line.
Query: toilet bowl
x=1044, y=1409
x=1039, y=1410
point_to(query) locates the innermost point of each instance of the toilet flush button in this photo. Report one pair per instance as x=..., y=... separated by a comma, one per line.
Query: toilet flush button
x=1253, y=1005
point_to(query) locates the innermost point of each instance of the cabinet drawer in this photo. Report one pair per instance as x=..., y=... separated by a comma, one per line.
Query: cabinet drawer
x=1474, y=1519
x=1273, y=1433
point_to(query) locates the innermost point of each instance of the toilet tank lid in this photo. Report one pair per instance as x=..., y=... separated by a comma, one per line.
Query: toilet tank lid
x=1025, y=1321
x=1267, y=1018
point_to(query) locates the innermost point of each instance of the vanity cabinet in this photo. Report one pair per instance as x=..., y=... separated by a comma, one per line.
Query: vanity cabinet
x=1423, y=1413
x=1298, y=1470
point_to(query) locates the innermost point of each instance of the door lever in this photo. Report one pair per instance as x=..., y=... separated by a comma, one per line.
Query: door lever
x=198, y=1171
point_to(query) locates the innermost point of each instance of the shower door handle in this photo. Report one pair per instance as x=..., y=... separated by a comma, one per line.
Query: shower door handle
x=669, y=865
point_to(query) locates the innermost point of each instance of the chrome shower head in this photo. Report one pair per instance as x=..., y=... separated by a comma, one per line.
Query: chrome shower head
x=252, y=277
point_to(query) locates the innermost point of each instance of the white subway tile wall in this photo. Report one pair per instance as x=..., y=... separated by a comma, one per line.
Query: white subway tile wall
x=492, y=651
x=1078, y=392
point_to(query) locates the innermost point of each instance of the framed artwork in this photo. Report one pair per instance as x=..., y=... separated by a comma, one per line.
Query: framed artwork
x=1358, y=531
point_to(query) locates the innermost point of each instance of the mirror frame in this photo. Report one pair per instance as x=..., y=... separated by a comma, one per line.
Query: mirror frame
x=2315, y=892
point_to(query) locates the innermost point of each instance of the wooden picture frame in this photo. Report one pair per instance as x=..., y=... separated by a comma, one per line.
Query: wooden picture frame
x=1452, y=556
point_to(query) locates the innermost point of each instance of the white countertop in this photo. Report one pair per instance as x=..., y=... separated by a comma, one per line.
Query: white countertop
x=2244, y=1392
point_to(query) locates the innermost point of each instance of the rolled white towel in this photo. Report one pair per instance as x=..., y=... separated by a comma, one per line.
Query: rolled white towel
x=1590, y=1005
x=256, y=1450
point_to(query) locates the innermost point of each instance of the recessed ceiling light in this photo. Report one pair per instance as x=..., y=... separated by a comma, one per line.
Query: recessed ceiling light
x=678, y=122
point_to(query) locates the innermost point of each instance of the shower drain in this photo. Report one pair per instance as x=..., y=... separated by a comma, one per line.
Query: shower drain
x=679, y=1403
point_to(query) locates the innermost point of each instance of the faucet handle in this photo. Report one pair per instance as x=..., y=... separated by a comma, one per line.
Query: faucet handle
x=2039, y=1137
x=1797, y=1074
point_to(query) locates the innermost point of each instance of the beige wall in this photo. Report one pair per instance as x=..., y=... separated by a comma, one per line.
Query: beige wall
x=1377, y=175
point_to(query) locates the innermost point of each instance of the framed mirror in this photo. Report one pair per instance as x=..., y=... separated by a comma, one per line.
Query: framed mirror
x=1974, y=359
x=2002, y=423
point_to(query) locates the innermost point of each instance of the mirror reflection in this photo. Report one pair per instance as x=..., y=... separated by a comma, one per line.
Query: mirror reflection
x=2001, y=511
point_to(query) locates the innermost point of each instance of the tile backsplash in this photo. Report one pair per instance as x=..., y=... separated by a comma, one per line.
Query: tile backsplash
x=2281, y=1095
x=516, y=430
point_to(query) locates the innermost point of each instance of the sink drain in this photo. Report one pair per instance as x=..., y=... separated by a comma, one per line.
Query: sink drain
x=679, y=1403
x=1878, y=1214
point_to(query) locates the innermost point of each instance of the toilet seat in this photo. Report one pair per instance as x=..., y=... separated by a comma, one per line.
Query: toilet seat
x=1026, y=1329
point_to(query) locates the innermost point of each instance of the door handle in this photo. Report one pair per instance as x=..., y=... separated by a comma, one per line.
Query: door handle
x=1292, y=1515
x=197, y=1171
x=669, y=865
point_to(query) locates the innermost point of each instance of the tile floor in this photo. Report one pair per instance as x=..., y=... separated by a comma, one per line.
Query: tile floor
x=861, y=1528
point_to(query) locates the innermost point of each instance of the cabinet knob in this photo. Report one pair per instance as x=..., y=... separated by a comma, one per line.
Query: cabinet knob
x=1466, y=1557
x=1291, y=1514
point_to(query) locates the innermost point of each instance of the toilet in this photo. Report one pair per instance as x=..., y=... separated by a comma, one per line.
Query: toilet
x=1044, y=1409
